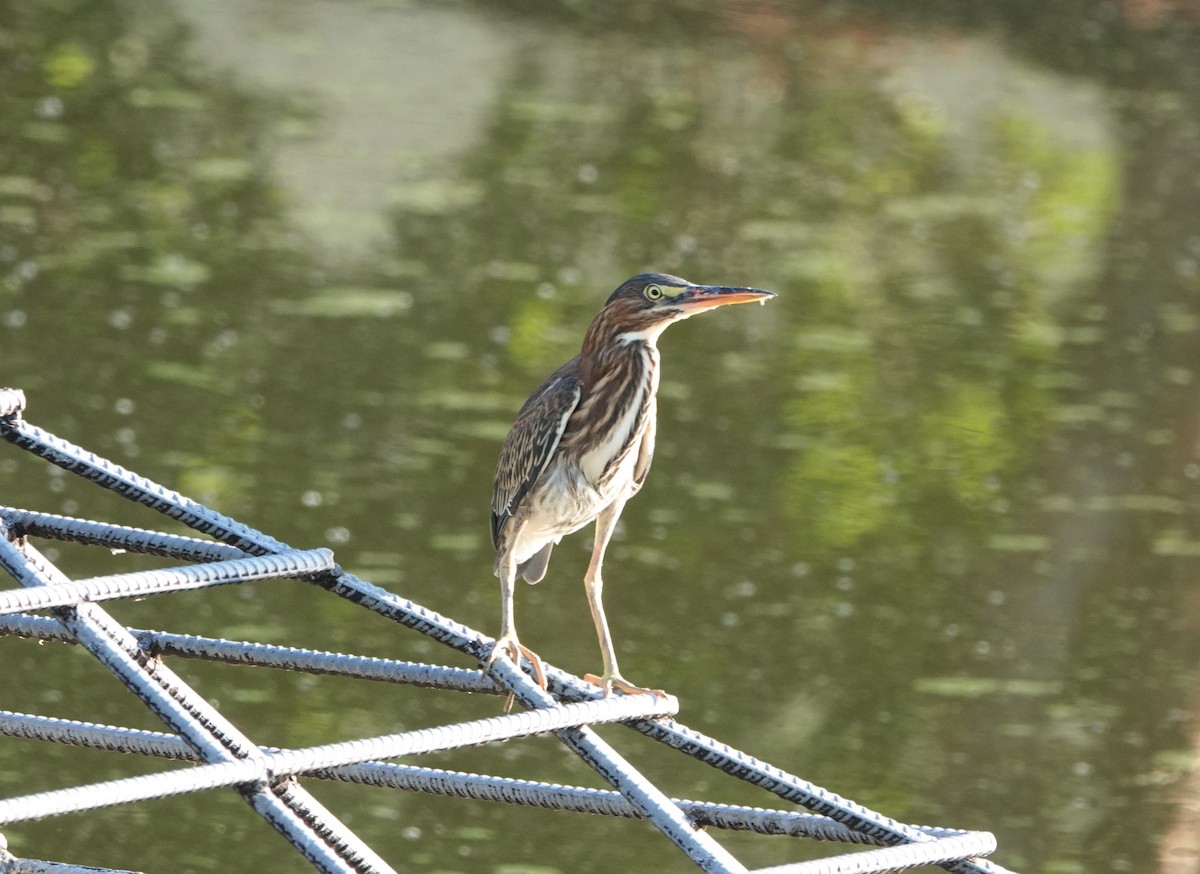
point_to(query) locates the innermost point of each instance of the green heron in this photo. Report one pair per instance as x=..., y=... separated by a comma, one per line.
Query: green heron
x=582, y=445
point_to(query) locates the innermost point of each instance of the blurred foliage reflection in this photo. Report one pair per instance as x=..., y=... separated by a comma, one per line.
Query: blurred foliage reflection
x=932, y=513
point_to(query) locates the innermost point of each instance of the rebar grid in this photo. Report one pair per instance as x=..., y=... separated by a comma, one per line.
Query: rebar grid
x=439, y=781
x=267, y=777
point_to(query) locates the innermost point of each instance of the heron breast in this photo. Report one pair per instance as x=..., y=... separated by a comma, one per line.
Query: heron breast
x=608, y=453
x=562, y=503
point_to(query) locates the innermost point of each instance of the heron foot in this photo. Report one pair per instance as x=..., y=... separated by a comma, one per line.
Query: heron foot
x=508, y=646
x=609, y=682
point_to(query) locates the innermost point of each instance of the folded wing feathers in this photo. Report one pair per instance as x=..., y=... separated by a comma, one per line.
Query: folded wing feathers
x=530, y=445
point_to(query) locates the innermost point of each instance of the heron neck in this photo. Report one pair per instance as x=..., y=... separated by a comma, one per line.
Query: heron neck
x=607, y=346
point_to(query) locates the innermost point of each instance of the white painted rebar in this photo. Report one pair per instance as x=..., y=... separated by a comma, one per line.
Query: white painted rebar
x=120, y=537
x=268, y=655
x=13, y=865
x=266, y=767
x=642, y=794
x=134, y=487
x=605, y=802
x=95, y=736
x=798, y=791
x=617, y=708
x=12, y=403
x=936, y=851
x=55, y=802
x=40, y=866
x=140, y=583
x=10, y=864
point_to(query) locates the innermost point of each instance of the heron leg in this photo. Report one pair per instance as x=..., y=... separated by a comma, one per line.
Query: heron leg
x=593, y=583
x=507, y=643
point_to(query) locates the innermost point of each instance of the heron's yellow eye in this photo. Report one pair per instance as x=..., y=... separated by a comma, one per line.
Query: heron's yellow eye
x=653, y=292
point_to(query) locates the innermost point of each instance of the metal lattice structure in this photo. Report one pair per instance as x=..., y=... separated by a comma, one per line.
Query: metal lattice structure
x=272, y=780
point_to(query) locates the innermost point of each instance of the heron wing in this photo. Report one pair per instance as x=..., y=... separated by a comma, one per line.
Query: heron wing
x=531, y=443
x=646, y=450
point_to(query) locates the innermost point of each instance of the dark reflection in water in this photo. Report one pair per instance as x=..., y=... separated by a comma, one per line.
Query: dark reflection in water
x=924, y=531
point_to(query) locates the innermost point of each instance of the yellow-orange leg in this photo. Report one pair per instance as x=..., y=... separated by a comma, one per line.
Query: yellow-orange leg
x=593, y=584
x=507, y=643
x=621, y=685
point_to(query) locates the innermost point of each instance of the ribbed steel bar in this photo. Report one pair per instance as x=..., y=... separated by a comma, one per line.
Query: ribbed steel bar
x=937, y=851
x=136, y=488
x=618, y=708
x=12, y=403
x=641, y=793
x=90, y=796
x=330, y=846
x=794, y=789
x=437, y=781
x=269, y=767
x=10, y=864
x=604, y=802
x=40, y=866
x=95, y=736
x=139, y=583
x=316, y=662
x=269, y=655
x=124, y=537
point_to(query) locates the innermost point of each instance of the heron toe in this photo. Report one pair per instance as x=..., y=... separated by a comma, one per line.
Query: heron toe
x=508, y=645
x=615, y=681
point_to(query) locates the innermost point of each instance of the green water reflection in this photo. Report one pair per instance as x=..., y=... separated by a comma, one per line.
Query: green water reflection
x=923, y=531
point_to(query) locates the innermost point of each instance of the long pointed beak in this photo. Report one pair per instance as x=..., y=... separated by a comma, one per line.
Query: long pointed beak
x=707, y=297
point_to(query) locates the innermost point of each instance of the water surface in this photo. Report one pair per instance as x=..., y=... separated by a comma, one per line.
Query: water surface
x=923, y=531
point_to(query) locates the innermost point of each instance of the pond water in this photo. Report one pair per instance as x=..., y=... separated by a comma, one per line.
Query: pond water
x=924, y=530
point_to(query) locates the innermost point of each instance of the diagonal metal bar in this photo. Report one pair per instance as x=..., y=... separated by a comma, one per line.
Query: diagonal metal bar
x=269, y=767
x=583, y=799
x=134, y=487
x=556, y=717
x=642, y=794
x=93, y=735
x=41, y=866
x=439, y=781
x=12, y=403
x=209, y=733
x=937, y=851
x=10, y=864
x=140, y=583
x=268, y=655
x=787, y=786
x=123, y=537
